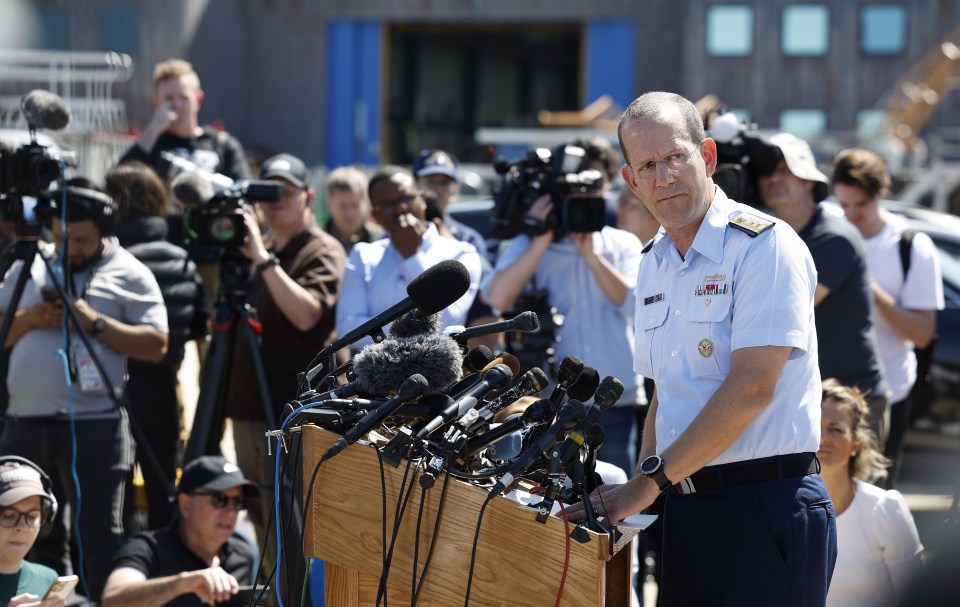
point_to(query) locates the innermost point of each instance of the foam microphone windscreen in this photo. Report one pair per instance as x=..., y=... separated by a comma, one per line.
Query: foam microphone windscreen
x=45, y=110
x=414, y=323
x=191, y=190
x=381, y=368
x=586, y=384
x=439, y=286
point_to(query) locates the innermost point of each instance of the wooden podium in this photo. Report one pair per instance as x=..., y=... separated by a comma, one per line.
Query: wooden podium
x=519, y=561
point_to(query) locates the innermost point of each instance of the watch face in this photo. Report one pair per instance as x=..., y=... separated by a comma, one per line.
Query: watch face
x=650, y=465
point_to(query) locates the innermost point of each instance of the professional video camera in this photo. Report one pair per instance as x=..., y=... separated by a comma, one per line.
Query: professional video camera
x=214, y=205
x=743, y=155
x=578, y=203
x=27, y=171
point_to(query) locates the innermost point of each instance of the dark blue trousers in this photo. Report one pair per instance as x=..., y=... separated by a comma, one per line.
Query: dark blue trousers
x=771, y=543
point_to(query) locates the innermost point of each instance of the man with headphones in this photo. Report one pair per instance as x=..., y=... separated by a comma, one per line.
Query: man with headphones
x=61, y=414
x=27, y=506
x=295, y=283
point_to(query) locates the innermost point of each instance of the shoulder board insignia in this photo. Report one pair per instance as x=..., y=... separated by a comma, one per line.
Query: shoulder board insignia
x=648, y=247
x=749, y=224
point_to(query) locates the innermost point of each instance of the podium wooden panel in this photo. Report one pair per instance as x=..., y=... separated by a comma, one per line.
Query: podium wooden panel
x=519, y=561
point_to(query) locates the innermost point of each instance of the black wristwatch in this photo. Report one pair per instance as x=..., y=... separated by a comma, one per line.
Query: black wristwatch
x=99, y=325
x=269, y=263
x=652, y=467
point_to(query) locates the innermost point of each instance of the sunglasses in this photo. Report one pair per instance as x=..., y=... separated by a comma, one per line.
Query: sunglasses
x=220, y=500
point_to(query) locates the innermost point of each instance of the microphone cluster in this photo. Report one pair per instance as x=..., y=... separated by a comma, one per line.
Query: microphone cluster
x=418, y=394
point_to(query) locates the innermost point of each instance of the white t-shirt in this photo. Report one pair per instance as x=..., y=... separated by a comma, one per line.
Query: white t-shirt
x=878, y=549
x=922, y=290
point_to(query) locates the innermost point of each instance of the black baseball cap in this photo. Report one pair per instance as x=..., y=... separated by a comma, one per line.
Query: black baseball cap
x=288, y=167
x=215, y=473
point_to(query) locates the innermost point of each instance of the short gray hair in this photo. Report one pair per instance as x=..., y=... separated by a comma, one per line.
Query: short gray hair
x=652, y=104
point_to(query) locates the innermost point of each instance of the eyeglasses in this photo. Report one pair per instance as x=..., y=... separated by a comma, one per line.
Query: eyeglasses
x=675, y=163
x=388, y=206
x=220, y=500
x=11, y=518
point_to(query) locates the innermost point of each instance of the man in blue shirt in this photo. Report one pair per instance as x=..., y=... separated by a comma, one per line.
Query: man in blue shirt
x=590, y=277
x=725, y=327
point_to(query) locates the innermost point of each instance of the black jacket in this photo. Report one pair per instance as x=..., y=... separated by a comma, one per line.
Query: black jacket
x=183, y=293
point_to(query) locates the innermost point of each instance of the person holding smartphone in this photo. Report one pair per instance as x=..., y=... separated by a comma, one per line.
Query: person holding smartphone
x=25, y=506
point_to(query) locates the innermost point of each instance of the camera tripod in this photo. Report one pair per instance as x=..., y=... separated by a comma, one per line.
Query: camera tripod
x=233, y=326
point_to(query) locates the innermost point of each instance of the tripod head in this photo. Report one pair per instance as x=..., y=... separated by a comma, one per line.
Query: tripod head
x=234, y=274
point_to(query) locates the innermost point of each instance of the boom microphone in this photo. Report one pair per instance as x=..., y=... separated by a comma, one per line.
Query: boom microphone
x=44, y=110
x=381, y=368
x=414, y=387
x=436, y=288
x=191, y=189
x=567, y=417
x=525, y=322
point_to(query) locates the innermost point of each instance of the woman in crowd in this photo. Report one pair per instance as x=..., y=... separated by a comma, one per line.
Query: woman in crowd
x=878, y=548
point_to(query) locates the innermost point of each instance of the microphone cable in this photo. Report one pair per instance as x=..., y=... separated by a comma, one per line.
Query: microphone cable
x=402, y=502
x=418, y=586
x=473, y=552
x=566, y=553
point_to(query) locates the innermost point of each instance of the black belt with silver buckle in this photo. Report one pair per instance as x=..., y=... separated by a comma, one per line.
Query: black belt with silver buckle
x=723, y=476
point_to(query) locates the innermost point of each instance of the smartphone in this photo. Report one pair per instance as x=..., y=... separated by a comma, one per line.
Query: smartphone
x=246, y=594
x=48, y=293
x=62, y=587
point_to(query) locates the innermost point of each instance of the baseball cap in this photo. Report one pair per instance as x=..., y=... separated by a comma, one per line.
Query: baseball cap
x=215, y=473
x=435, y=162
x=799, y=158
x=18, y=482
x=288, y=167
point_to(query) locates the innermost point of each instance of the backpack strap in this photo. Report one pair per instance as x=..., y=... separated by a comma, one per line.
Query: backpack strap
x=906, y=244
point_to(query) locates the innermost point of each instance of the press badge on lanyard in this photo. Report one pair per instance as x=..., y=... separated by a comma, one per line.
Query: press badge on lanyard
x=87, y=372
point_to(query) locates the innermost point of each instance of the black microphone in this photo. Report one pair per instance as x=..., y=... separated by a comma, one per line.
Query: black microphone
x=477, y=358
x=525, y=322
x=539, y=412
x=44, y=110
x=381, y=368
x=414, y=387
x=505, y=358
x=607, y=393
x=567, y=417
x=436, y=288
x=585, y=386
x=567, y=373
x=495, y=378
x=532, y=382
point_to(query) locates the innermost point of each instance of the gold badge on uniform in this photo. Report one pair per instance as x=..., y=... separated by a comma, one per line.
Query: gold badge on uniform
x=705, y=348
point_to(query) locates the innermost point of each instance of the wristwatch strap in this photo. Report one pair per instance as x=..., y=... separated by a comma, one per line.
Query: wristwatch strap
x=269, y=263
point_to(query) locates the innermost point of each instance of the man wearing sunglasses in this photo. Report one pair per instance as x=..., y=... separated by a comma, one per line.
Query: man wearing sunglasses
x=196, y=560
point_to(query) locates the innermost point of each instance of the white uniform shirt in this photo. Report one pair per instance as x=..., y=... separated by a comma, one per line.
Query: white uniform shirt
x=923, y=290
x=732, y=291
x=376, y=277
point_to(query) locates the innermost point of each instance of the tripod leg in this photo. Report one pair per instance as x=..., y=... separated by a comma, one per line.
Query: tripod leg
x=208, y=419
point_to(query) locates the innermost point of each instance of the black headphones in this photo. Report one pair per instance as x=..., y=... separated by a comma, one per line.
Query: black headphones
x=50, y=511
x=98, y=206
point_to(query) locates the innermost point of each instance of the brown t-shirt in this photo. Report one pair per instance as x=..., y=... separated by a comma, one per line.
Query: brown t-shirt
x=315, y=261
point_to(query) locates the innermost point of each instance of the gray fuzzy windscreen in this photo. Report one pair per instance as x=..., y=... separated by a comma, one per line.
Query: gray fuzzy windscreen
x=381, y=368
x=415, y=323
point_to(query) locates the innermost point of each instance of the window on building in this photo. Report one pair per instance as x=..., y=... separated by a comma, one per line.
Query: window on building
x=883, y=29
x=120, y=29
x=803, y=123
x=806, y=30
x=730, y=30
x=869, y=122
x=53, y=32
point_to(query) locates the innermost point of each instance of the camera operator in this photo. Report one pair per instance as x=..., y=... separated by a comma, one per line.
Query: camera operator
x=842, y=301
x=377, y=273
x=120, y=308
x=298, y=269
x=590, y=277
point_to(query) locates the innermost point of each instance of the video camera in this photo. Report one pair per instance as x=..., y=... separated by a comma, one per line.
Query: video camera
x=743, y=155
x=27, y=171
x=578, y=202
x=214, y=205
